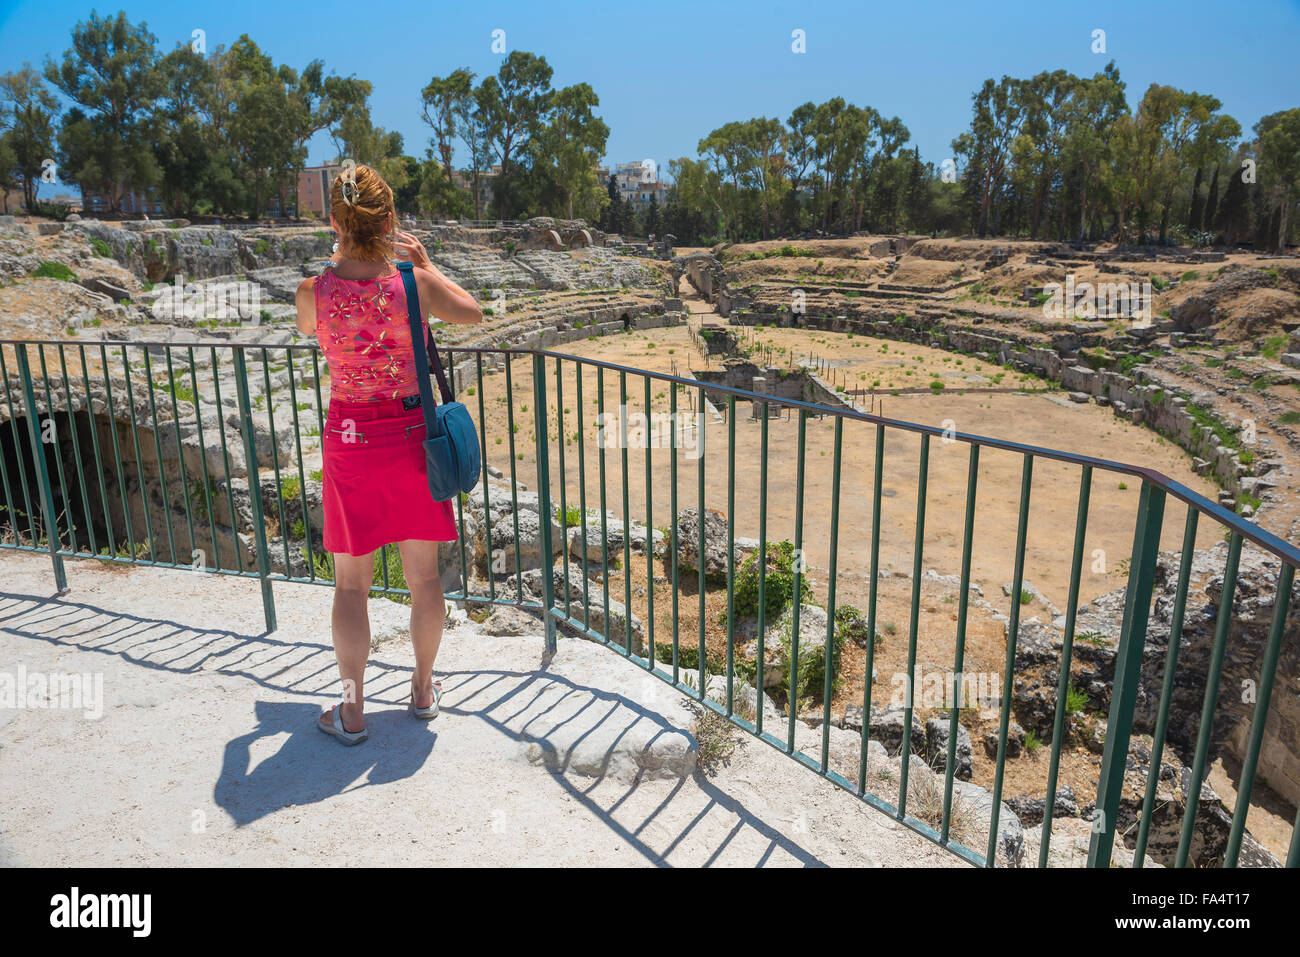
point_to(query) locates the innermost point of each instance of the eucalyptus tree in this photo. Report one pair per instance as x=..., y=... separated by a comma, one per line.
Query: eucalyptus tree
x=264, y=120
x=726, y=158
x=475, y=132
x=1193, y=129
x=27, y=116
x=999, y=111
x=1036, y=152
x=859, y=130
x=570, y=144
x=693, y=210
x=110, y=74
x=829, y=143
x=889, y=174
x=1278, y=143
x=443, y=100
x=358, y=139
x=1091, y=111
x=187, y=140
x=515, y=104
x=319, y=102
x=761, y=163
x=800, y=155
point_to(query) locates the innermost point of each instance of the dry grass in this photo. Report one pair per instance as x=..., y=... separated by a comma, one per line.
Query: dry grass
x=925, y=803
x=715, y=738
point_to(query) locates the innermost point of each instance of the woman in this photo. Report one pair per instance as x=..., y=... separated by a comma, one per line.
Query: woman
x=375, y=492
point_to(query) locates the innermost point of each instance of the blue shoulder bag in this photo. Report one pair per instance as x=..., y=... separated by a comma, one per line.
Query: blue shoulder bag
x=451, y=450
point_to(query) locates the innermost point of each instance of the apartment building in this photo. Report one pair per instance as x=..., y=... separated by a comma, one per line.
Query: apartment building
x=638, y=182
x=314, y=184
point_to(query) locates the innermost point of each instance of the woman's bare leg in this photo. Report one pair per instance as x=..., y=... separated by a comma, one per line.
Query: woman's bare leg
x=350, y=624
x=420, y=565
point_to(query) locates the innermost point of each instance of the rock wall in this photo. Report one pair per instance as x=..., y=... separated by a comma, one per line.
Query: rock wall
x=158, y=253
x=704, y=272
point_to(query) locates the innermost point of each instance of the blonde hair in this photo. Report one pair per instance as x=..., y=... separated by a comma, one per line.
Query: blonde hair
x=362, y=204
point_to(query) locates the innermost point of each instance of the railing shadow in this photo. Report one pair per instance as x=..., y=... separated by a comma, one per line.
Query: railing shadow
x=527, y=707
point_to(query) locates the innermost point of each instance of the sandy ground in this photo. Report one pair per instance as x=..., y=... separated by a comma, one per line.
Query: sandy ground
x=1046, y=419
x=205, y=754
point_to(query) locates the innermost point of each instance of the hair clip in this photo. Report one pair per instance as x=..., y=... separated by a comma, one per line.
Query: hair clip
x=348, y=191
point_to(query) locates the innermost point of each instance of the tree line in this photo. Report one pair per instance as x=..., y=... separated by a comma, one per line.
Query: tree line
x=226, y=132
x=1053, y=156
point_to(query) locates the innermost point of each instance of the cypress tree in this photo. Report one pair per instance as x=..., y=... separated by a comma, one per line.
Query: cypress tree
x=1212, y=201
x=652, y=216
x=1197, y=209
x=1233, y=209
x=609, y=215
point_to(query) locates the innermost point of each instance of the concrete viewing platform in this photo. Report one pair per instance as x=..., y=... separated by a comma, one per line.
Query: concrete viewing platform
x=201, y=750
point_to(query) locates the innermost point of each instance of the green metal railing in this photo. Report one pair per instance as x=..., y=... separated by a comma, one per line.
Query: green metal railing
x=129, y=452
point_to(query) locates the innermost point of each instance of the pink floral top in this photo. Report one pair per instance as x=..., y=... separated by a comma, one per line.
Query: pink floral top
x=364, y=331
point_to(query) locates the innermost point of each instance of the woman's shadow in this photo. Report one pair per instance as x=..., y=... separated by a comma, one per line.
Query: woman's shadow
x=310, y=767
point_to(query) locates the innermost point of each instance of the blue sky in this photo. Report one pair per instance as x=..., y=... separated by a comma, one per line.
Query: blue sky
x=667, y=73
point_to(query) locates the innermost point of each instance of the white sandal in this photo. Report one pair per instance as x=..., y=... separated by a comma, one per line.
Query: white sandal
x=431, y=711
x=336, y=728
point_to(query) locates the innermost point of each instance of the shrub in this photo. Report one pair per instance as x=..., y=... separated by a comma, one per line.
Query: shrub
x=53, y=270
x=101, y=248
x=851, y=625
x=55, y=211
x=812, y=665
x=715, y=738
x=1204, y=417
x=778, y=585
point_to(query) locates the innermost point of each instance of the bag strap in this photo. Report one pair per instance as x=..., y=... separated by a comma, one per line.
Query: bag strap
x=422, y=355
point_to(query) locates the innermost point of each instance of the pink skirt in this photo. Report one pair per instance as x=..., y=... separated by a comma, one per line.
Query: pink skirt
x=375, y=491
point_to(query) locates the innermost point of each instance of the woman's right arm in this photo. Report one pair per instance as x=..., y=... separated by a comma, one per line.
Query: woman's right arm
x=439, y=296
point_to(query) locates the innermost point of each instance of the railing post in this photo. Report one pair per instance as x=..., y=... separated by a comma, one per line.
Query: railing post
x=1128, y=667
x=254, y=485
x=544, y=502
x=51, y=520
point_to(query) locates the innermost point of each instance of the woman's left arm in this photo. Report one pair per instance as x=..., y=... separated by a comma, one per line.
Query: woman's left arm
x=305, y=300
